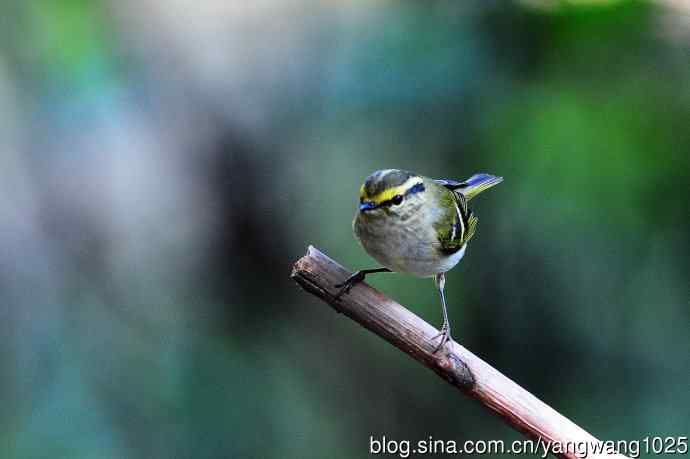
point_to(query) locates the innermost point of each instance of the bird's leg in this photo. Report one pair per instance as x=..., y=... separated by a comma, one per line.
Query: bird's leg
x=355, y=278
x=440, y=281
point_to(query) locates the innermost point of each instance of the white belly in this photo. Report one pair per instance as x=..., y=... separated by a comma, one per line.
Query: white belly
x=405, y=251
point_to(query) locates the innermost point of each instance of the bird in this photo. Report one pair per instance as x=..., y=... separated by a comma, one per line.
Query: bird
x=416, y=225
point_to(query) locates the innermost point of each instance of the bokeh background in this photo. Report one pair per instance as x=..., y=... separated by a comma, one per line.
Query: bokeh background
x=163, y=164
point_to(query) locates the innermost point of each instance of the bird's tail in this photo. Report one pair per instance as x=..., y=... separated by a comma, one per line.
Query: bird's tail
x=478, y=183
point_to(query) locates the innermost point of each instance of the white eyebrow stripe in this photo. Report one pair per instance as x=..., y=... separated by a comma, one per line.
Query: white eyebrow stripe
x=385, y=172
x=409, y=183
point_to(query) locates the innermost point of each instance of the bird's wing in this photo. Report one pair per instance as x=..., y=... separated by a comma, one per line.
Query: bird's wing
x=449, y=183
x=458, y=225
x=472, y=186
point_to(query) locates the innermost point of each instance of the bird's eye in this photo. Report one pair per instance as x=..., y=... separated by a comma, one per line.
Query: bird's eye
x=397, y=199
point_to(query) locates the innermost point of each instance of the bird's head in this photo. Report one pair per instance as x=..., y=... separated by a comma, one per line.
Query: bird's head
x=391, y=192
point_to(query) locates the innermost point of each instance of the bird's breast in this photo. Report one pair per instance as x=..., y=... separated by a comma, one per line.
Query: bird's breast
x=410, y=246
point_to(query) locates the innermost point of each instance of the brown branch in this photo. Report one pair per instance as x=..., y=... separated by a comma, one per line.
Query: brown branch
x=318, y=274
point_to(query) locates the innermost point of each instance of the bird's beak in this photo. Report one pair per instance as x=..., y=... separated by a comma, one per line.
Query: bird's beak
x=367, y=206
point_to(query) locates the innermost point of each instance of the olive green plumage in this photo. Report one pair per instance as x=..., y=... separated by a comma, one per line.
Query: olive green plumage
x=458, y=224
x=416, y=225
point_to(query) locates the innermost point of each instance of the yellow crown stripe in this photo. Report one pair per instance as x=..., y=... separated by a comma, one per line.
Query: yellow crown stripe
x=388, y=194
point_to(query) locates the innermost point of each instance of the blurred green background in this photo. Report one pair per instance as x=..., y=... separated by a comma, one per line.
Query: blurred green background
x=163, y=164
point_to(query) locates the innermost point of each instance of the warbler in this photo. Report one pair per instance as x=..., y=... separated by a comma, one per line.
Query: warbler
x=416, y=225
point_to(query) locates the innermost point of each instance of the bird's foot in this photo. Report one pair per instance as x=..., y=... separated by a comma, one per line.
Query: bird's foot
x=445, y=337
x=345, y=287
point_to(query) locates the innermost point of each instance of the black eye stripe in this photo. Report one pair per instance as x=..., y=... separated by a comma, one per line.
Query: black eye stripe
x=386, y=203
x=418, y=188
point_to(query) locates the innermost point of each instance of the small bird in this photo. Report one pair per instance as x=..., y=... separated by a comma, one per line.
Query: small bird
x=416, y=225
